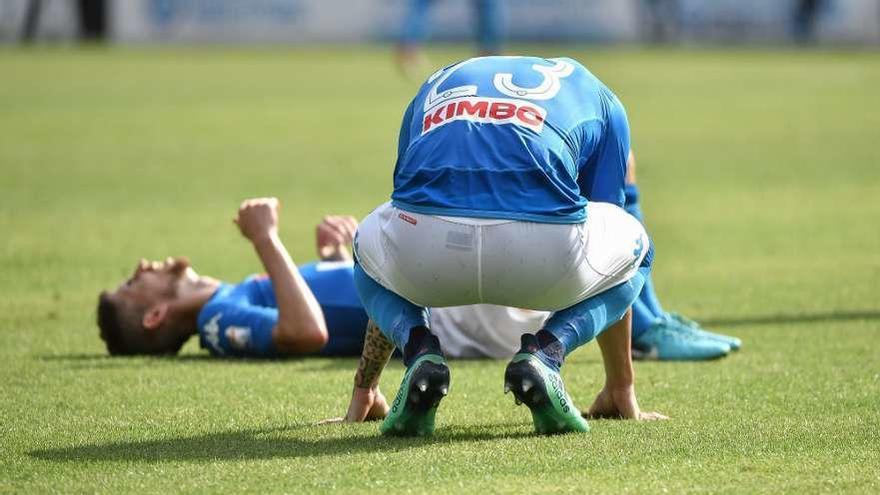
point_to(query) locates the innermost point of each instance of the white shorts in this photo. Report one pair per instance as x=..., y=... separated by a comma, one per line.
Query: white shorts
x=437, y=261
x=483, y=330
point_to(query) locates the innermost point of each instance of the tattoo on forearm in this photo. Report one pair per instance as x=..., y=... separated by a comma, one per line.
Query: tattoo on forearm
x=377, y=351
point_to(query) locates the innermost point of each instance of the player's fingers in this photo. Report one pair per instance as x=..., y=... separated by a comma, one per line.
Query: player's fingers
x=350, y=225
x=332, y=220
x=346, y=230
x=330, y=421
x=327, y=234
x=600, y=415
x=602, y=409
x=350, y=233
x=652, y=416
x=335, y=230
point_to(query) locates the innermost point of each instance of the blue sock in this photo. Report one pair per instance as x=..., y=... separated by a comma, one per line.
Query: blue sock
x=395, y=315
x=647, y=309
x=649, y=298
x=631, y=202
x=576, y=325
x=643, y=318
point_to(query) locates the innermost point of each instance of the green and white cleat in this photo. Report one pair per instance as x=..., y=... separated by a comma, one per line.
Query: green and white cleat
x=412, y=412
x=540, y=387
x=695, y=327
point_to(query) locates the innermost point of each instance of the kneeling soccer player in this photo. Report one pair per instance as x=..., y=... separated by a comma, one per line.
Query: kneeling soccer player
x=508, y=190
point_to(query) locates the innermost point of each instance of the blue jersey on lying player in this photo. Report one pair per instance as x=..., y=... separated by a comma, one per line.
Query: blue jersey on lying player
x=541, y=122
x=238, y=319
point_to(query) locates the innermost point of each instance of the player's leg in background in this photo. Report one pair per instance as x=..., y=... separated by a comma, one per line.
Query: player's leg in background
x=647, y=309
x=31, y=21
x=408, y=54
x=657, y=334
x=489, y=26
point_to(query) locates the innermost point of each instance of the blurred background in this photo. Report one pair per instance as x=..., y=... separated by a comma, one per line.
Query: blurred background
x=314, y=21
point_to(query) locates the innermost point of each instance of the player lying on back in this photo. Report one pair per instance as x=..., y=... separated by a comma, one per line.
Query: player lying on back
x=164, y=303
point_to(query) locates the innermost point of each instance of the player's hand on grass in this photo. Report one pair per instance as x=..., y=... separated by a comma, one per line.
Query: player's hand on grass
x=334, y=236
x=619, y=404
x=367, y=404
x=258, y=218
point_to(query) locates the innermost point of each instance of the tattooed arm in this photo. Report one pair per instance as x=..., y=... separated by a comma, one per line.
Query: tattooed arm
x=377, y=351
x=367, y=402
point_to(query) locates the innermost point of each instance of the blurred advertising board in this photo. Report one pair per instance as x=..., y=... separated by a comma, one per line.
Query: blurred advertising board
x=317, y=21
x=358, y=20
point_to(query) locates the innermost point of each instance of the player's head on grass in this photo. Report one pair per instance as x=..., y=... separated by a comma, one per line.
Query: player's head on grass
x=150, y=312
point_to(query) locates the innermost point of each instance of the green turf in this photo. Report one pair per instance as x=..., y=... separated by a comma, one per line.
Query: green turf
x=760, y=182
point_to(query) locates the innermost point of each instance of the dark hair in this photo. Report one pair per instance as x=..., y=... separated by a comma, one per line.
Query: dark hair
x=110, y=325
x=125, y=335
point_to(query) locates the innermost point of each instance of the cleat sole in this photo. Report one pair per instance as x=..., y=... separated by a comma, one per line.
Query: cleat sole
x=413, y=413
x=530, y=388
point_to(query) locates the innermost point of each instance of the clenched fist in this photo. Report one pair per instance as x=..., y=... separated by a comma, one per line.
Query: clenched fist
x=258, y=218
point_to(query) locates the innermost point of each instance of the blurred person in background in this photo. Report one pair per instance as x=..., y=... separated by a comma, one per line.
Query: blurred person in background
x=488, y=29
x=91, y=20
x=662, y=20
x=804, y=20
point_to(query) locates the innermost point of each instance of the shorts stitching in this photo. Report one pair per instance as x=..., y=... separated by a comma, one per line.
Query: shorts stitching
x=465, y=221
x=478, y=230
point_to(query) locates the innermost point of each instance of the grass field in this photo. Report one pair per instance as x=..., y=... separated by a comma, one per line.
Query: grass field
x=760, y=181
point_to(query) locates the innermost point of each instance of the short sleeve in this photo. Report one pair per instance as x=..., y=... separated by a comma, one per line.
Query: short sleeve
x=236, y=329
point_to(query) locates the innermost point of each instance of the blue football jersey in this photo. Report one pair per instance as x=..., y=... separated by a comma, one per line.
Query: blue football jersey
x=519, y=138
x=238, y=319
